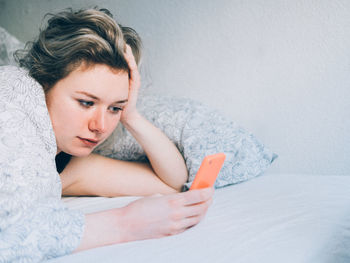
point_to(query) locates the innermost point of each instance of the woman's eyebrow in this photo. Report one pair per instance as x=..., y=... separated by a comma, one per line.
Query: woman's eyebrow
x=96, y=98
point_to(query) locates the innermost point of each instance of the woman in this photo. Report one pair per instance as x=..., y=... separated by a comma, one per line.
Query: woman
x=86, y=65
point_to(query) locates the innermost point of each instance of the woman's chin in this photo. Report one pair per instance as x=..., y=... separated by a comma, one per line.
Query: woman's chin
x=79, y=152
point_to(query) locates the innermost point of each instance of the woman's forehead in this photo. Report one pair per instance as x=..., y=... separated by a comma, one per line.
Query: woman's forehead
x=98, y=80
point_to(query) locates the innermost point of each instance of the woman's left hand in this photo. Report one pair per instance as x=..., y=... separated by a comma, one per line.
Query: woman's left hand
x=130, y=110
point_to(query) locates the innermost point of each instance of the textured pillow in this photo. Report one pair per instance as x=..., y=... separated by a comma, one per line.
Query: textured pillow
x=197, y=131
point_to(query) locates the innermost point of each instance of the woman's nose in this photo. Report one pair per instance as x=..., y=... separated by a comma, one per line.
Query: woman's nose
x=98, y=122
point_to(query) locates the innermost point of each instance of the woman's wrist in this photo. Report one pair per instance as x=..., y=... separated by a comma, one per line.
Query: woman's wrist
x=132, y=120
x=103, y=228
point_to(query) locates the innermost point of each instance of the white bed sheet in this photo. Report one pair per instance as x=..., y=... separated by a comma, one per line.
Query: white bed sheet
x=272, y=218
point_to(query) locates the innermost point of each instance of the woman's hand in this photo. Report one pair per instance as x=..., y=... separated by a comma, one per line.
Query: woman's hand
x=159, y=216
x=130, y=110
x=150, y=217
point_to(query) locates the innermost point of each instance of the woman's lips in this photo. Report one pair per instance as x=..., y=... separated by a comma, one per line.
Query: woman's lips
x=89, y=142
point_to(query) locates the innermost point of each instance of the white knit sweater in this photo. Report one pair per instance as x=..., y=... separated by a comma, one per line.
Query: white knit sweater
x=34, y=223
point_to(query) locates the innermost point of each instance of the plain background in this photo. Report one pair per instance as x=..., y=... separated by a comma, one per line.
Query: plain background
x=279, y=68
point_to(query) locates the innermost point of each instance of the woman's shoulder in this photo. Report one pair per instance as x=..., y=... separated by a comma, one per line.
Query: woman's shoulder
x=11, y=67
x=13, y=75
x=9, y=72
x=23, y=108
x=16, y=83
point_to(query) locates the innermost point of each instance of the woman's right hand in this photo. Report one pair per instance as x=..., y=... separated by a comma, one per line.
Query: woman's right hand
x=159, y=216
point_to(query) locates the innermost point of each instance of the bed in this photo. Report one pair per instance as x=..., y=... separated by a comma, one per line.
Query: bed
x=271, y=218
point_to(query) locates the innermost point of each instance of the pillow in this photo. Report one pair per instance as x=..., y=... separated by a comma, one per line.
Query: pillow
x=197, y=131
x=8, y=45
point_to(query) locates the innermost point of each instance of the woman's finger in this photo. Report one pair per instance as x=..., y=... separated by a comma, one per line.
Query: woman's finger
x=197, y=196
x=197, y=209
x=134, y=73
x=190, y=221
x=129, y=57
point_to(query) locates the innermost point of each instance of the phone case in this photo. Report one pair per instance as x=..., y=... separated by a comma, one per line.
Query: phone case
x=208, y=171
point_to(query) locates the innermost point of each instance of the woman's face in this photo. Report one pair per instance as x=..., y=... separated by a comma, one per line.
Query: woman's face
x=85, y=107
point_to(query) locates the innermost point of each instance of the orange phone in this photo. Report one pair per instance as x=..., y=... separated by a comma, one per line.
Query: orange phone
x=208, y=171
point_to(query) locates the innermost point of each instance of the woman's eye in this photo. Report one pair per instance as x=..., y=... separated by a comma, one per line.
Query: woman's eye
x=116, y=109
x=86, y=103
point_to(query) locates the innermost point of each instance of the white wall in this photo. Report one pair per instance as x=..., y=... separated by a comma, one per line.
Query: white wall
x=280, y=68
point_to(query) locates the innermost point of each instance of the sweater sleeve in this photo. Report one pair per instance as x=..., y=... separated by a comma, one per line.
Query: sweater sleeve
x=35, y=225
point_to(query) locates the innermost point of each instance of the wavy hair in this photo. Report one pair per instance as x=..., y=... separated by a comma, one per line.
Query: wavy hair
x=71, y=38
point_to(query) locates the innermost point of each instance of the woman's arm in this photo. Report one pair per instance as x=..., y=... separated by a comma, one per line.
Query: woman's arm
x=146, y=218
x=102, y=176
x=166, y=161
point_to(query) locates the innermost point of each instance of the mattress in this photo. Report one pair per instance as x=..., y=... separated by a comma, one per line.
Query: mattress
x=272, y=218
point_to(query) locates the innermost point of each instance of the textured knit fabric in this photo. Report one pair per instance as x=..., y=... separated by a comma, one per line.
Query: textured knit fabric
x=34, y=223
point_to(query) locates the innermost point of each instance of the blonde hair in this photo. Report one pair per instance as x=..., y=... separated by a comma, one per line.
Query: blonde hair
x=71, y=38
